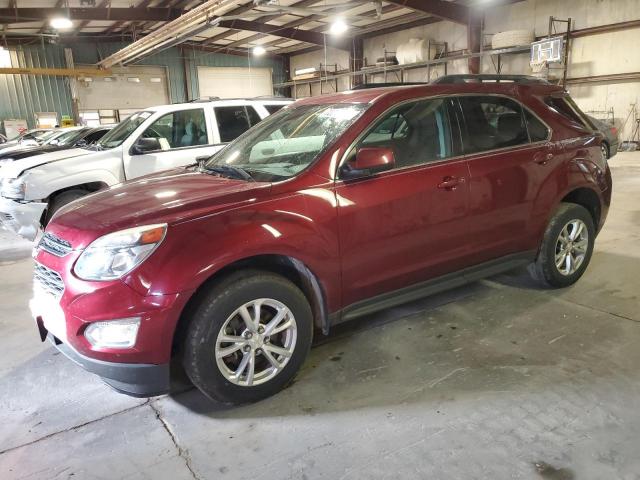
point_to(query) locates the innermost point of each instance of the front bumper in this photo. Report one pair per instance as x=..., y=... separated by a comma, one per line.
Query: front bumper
x=21, y=218
x=135, y=379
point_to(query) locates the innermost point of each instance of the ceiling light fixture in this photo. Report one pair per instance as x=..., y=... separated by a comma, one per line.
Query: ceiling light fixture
x=61, y=23
x=338, y=27
x=259, y=50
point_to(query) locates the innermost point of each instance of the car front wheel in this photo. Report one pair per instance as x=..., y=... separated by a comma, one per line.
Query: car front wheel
x=247, y=338
x=566, y=247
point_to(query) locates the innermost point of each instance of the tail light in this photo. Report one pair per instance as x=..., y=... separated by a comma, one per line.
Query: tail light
x=614, y=131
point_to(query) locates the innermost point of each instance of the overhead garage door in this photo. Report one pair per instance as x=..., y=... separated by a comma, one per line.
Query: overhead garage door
x=128, y=89
x=234, y=82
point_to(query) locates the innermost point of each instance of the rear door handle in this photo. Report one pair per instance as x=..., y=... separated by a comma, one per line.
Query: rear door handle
x=450, y=183
x=543, y=158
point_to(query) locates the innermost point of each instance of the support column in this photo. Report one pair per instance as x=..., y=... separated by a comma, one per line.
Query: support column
x=73, y=87
x=474, y=38
x=356, y=60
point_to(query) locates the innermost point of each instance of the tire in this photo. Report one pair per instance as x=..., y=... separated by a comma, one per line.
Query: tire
x=545, y=269
x=60, y=200
x=605, y=150
x=202, y=349
x=512, y=38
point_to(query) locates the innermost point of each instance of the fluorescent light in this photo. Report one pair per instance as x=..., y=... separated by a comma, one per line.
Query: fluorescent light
x=133, y=79
x=155, y=80
x=338, y=27
x=304, y=71
x=259, y=50
x=61, y=23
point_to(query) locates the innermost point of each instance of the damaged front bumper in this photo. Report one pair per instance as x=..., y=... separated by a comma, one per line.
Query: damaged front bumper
x=22, y=218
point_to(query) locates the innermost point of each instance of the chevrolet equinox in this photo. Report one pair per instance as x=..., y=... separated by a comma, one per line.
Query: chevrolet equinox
x=333, y=208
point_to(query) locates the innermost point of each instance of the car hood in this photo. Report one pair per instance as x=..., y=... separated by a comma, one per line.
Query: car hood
x=17, y=167
x=169, y=197
x=29, y=152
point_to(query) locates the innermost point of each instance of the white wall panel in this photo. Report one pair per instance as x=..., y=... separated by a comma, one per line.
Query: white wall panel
x=234, y=82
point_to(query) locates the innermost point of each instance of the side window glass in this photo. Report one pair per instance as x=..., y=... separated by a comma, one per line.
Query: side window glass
x=95, y=136
x=273, y=108
x=492, y=123
x=185, y=128
x=538, y=131
x=416, y=132
x=232, y=122
x=254, y=118
x=392, y=127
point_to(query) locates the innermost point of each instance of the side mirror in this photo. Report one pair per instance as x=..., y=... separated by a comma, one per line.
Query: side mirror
x=145, y=145
x=369, y=161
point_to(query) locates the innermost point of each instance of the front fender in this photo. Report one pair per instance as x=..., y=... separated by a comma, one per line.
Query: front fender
x=46, y=179
x=300, y=227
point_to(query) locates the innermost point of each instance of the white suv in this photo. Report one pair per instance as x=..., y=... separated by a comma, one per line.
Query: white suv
x=155, y=139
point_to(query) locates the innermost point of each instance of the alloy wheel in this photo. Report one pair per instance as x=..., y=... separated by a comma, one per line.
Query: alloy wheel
x=256, y=342
x=571, y=247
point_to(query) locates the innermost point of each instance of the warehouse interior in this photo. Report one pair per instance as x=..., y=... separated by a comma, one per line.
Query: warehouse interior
x=496, y=378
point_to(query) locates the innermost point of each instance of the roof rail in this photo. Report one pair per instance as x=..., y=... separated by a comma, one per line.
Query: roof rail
x=213, y=99
x=482, y=78
x=364, y=86
x=204, y=99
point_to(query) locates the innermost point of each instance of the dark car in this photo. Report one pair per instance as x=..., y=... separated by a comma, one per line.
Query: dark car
x=73, y=139
x=610, y=144
x=331, y=209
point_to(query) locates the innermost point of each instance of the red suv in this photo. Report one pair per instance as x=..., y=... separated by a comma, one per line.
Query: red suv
x=333, y=208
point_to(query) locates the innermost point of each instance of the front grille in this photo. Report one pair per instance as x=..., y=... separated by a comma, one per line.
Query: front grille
x=6, y=217
x=48, y=280
x=54, y=245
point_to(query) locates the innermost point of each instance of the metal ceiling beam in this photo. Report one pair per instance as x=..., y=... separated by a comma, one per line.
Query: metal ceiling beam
x=442, y=9
x=308, y=36
x=154, y=14
x=302, y=21
x=245, y=8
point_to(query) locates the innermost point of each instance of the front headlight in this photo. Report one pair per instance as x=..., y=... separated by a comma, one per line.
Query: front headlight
x=116, y=254
x=13, y=188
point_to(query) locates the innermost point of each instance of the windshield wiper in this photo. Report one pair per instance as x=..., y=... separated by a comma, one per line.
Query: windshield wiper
x=230, y=171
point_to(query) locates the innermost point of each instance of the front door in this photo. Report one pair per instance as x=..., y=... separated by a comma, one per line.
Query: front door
x=181, y=137
x=408, y=224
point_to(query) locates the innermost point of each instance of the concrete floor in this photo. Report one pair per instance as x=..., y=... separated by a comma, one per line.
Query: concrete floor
x=496, y=380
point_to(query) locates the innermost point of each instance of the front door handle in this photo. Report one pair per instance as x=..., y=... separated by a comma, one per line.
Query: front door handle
x=450, y=183
x=543, y=158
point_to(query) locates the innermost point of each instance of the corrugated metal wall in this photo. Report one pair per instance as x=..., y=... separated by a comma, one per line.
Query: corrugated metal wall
x=21, y=96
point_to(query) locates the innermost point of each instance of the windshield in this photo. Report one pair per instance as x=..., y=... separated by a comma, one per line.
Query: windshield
x=67, y=138
x=287, y=142
x=125, y=128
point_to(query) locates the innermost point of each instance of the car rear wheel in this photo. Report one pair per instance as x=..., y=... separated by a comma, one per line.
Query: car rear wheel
x=605, y=150
x=567, y=246
x=247, y=337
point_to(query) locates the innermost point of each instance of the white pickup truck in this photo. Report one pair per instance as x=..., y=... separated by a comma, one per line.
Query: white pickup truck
x=155, y=139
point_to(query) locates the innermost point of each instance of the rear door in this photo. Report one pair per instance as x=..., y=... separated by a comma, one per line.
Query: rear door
x=406, y=225
x=183, y=135
x=509, y=155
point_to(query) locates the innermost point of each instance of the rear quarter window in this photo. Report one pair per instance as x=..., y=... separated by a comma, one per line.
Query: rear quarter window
x=566, y=107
